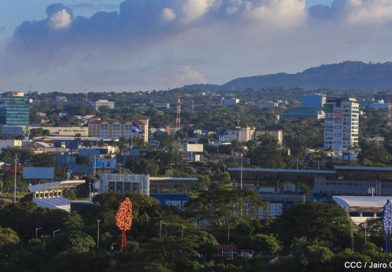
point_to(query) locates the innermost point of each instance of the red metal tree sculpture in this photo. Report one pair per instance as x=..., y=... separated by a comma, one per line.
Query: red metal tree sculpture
x=124, y=220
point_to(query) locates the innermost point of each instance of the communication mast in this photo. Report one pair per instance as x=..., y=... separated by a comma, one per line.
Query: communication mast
x=178, y=116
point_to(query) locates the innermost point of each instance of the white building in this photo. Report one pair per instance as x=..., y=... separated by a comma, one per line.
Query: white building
x=229, y=101
x=144, y=184
x=10, y=143
x=123, y=183
x=102, y=103
x=240, y=134
x=341, y=124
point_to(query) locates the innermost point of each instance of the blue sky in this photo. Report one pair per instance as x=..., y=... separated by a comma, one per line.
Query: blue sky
x=160, y=44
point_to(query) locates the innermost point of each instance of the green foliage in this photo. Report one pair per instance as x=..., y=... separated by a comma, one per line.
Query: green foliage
x=374, y=155
x=9, y=239
x=316, y=221
x=74, y=240
x=266, y=244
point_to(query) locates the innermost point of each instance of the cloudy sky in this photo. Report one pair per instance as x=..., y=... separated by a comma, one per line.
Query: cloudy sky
x=104, y=45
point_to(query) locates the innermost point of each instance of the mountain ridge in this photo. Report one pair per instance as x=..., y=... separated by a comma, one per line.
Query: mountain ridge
x=344, y=75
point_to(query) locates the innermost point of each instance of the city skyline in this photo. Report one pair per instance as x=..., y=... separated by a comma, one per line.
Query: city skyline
x=145, y=45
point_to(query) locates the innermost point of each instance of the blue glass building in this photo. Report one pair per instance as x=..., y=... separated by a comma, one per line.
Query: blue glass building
x=14, y=109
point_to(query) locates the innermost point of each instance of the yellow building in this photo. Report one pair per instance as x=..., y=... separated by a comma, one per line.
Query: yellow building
x=65, y=131
x=117, y=129
x=277, y=135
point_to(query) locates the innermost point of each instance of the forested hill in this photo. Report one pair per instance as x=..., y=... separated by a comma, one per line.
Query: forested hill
x=346, y=75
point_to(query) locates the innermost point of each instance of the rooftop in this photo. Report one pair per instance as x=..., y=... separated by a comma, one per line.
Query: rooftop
x=347, y=202
x=55, y=185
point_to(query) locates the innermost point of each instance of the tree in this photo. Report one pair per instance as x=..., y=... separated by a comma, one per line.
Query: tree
x=315, y=221
x=76, y=240
x=267, y=154
x=311, y=255
x=9, y=239
x=265, y=244
x=220, y=207
x=374, y=155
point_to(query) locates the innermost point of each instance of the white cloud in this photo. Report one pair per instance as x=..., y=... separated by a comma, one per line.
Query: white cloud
x=232, y=38
x=369, y=11
x=187, y=74
x=280, y=12
x=60, y=20
x=194, y=9
x=168, y=15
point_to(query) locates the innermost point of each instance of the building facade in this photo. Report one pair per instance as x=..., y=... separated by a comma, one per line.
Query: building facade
x=240, y=134
x=277, y=135
x=65, y=131
x=15, y=109
x=341, y=125
x=102, y=103
x=229, y=101
x=315, y=101
x=118, y=129
x=124, y=183
x=283, y=188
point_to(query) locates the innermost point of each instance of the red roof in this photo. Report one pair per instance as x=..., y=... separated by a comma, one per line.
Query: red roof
x=97, y=121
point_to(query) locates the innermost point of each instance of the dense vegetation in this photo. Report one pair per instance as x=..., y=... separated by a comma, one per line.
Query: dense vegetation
x=311, y=237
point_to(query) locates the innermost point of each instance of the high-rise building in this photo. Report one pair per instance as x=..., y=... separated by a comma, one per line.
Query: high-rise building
x=341, y=124
x=14, y=109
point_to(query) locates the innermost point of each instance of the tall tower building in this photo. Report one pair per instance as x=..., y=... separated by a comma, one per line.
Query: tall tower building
x=341, y=126
x=14, y=109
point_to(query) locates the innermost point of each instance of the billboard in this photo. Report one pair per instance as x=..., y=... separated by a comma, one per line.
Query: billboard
x=38, y=172
x=194, y=148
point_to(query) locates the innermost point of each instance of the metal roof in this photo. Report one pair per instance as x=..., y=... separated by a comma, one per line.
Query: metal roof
x=172, y=179
x=347, y=202
x=282, y=171
x=364, y=168
x=312, y=171
x=53, y=185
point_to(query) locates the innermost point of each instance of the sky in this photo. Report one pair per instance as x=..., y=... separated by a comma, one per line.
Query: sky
x=131, y=45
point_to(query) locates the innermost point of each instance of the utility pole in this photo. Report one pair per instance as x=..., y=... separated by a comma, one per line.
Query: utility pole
x=16, y=162
x=54, y=232
x=241, y=177
x=94, y=174
x=161, y=223
x=98, y=221
x=36, y=232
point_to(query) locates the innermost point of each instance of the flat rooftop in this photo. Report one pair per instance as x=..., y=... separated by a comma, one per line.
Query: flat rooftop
x=348, y=202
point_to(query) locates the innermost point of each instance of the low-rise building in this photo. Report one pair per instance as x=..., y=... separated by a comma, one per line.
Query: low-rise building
x=144, y=184
x=162, y=106
x=102, y=103
x=286, y=187
x=277, y=135
x=10, y=143
x=240, y=134
x=229, y=101
x=65, y=131
x=117, y=129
